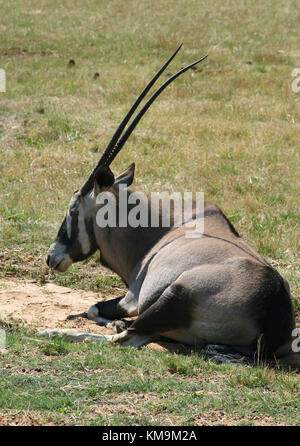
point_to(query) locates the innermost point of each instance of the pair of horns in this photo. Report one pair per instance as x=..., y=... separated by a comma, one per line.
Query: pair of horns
x=118, y=140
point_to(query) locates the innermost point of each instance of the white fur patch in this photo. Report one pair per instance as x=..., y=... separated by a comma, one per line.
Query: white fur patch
x=83, y=236
x=72, y=334
x=69, y=227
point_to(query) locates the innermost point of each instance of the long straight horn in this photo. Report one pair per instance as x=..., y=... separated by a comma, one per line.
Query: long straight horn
x=106, y=154
x=113, y=153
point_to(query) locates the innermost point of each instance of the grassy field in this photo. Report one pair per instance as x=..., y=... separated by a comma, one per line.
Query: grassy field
x=230, y=129
x=55, y=382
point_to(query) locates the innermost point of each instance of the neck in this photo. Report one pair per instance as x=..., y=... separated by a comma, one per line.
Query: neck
x=122, y=248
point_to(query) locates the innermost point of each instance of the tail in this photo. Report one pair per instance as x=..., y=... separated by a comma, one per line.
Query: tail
x=279, y=319
x=291, y=360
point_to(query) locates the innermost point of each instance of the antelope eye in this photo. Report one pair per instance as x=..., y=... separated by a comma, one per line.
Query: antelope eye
x=73, y=212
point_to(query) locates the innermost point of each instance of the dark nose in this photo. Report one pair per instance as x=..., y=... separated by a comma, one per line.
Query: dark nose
x=48, y=259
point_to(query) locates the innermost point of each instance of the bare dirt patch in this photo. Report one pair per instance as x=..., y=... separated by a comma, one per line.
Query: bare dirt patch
x=49, y=305
x=46, y=306
x=24, y=418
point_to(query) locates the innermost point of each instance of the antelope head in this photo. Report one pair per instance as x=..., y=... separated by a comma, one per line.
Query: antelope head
x=76, y=239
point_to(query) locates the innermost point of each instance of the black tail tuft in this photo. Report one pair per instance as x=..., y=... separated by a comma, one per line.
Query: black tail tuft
x=279, y=320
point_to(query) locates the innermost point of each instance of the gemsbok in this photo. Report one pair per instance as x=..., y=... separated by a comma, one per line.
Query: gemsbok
x=213, y=289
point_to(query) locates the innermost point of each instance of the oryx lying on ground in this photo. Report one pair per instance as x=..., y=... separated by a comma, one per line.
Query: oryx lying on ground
x=214, y=289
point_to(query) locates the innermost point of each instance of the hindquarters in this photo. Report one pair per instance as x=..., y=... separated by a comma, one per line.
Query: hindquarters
x=241, y=303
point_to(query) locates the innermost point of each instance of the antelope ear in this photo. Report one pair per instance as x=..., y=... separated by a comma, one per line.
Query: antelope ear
x=103, y=179
x=126, y=177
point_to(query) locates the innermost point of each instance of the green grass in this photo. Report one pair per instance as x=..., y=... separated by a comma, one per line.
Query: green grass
x=87, y=384
x=230, y=129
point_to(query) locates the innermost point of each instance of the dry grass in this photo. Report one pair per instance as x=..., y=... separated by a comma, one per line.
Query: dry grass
x=230, y=128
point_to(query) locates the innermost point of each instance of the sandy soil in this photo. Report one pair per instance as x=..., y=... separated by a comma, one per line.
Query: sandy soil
x=49, y=305
x=46, y=306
